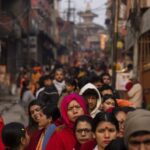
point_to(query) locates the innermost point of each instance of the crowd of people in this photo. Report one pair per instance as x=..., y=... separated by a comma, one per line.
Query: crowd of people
x=73, y=108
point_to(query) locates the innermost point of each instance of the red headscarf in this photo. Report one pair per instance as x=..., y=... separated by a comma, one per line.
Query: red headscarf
x=64, y=107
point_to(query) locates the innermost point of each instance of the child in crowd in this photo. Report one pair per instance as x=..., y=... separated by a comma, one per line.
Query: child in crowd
x=15, y=136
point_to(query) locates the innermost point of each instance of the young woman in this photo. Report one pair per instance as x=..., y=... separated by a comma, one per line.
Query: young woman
x=72, y=106
x=105, y=128
x=34, y=110
x=108, y=101
x=83, y=130
x=45, y=121
x=15, y=136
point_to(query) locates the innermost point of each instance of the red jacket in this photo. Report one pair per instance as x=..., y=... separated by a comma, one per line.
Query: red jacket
x=1, y=127
x=62, y=140
x=65, y=139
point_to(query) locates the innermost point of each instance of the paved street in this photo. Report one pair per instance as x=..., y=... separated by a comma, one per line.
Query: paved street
x=10, y=109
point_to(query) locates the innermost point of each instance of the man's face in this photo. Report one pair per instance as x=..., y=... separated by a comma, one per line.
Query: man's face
x=139, y=142
x=59, y=76
x=92, y=102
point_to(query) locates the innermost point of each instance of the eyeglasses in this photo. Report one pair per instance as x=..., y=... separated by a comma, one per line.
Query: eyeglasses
x=85, y=130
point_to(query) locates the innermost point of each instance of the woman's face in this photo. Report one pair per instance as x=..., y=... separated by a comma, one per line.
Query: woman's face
x=109, y=103
x=83, y=132
x=35, y=112
x=121, y=117
x=43, y=121
x=74, y=110
x=104, y=134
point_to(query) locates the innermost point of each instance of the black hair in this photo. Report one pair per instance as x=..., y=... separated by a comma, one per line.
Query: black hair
x=12, y=134
x=71, y=81
x=94, y=78
x=51, y=111
x=83, y=118
x=106, y=87
x=91, y=92
x=49, y=96
x=105, y=74
x=117, y=144
x=47, y=77
x=109, y=96
x=104, y=116
x=82, y=81
x=130, y=66
x=59, y=69
x=32, y=124
x=125, y=109
x=25, y=85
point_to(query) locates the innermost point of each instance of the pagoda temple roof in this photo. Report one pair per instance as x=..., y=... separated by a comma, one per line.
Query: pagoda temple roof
x=87, y=13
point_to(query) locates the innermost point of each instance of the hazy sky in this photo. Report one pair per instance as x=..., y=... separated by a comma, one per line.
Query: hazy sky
x=97, y=6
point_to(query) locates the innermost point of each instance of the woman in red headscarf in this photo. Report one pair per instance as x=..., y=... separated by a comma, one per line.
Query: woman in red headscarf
x=72, y=106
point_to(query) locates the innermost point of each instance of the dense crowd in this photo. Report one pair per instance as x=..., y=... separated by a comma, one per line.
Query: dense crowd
x=75, y=108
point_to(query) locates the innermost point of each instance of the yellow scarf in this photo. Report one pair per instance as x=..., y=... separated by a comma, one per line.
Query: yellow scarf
x=40, y=142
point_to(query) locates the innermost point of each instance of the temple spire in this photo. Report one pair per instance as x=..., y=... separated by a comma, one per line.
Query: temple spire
x=88, y=6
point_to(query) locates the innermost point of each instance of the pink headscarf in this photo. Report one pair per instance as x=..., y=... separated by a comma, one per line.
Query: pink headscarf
x=64, y=107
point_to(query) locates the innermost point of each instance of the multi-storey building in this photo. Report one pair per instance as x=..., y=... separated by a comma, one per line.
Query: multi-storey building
x=138, y=41
x=27, y=33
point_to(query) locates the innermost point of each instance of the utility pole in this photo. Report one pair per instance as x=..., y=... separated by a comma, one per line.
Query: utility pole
x=69, y=10
x=136, y=48
x=115, y=39
x=54, y=27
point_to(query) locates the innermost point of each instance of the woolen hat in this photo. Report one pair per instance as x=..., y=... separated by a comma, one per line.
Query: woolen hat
x=138, y=120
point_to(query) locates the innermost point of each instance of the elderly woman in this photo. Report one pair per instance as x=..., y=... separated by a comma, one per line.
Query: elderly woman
x=83, y=130
x=72, y=106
